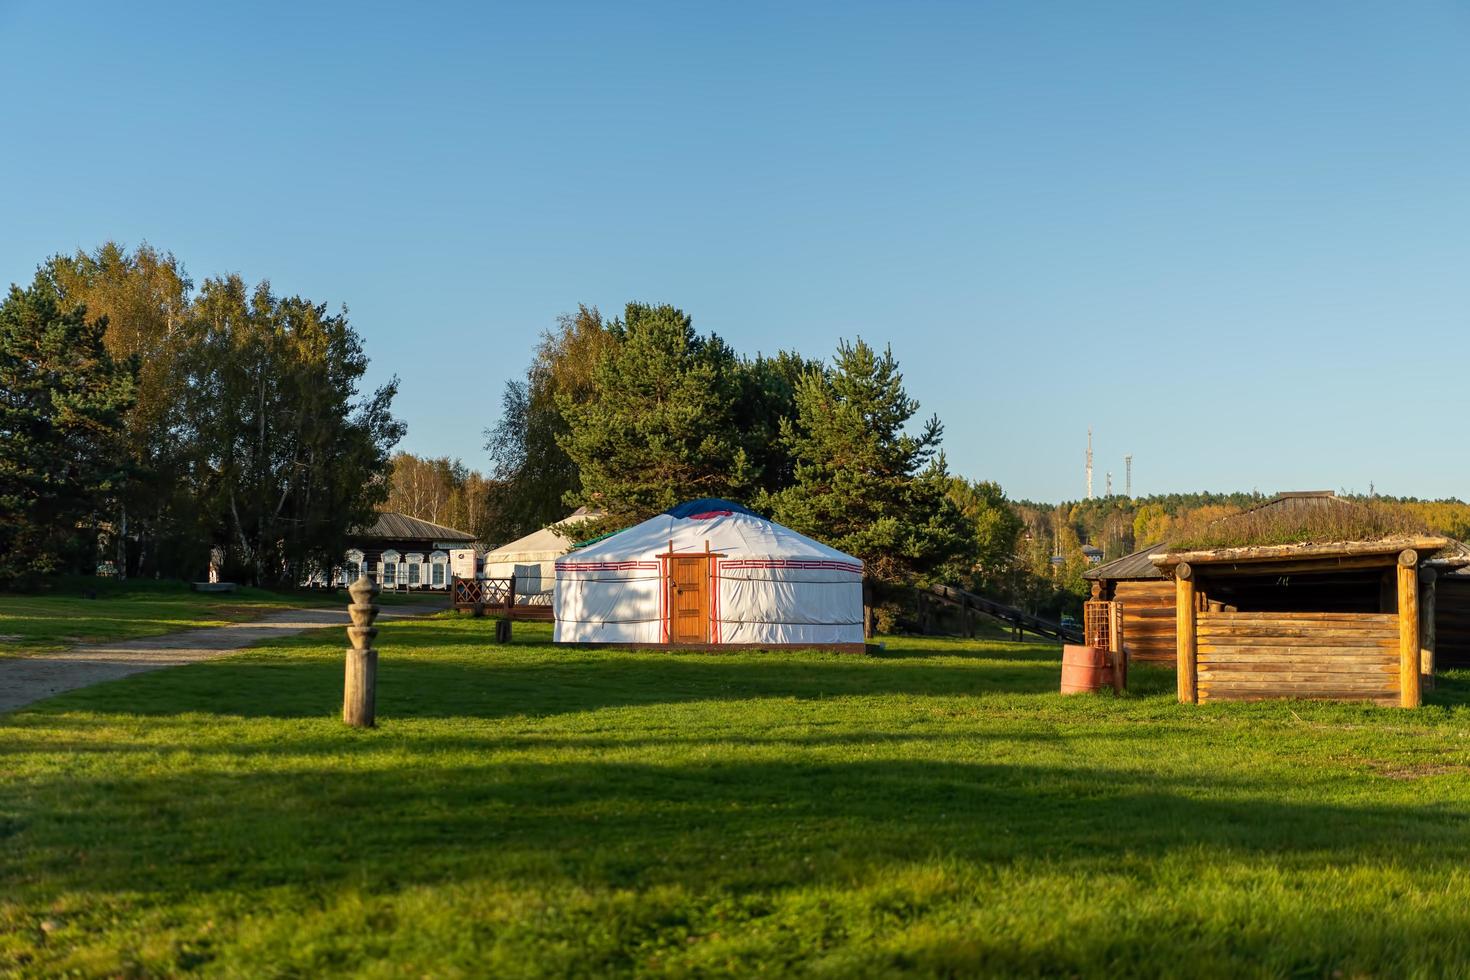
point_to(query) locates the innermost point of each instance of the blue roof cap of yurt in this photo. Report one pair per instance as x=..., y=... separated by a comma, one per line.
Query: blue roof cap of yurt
x=708, y=507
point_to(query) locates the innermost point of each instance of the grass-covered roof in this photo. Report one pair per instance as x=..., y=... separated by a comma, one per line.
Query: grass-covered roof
x=1315, y=518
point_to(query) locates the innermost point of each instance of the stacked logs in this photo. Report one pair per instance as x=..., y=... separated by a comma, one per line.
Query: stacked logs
x=360, y=688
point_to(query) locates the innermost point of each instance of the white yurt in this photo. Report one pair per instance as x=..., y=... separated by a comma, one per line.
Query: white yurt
x=710, y=572
x=532, y=560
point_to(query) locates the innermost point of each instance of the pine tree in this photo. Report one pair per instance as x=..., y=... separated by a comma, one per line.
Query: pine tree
x=63, y=407
x=659, y=424
x=863, y=483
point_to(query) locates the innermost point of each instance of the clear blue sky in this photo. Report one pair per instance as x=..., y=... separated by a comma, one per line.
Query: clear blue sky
x=1232, y=237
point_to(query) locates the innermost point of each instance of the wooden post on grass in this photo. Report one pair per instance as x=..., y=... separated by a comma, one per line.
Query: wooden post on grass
x=867, y=611
x=1409, y=691
x=1185, y=651
x=359, y=689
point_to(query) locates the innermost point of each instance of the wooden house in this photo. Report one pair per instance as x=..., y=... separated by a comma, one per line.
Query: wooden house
x=1366, y=619
x=401, y=552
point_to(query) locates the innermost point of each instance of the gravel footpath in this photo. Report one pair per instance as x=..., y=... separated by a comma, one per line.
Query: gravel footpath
x=27, y=679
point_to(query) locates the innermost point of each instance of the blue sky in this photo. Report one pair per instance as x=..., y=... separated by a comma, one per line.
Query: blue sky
x=1232, y=238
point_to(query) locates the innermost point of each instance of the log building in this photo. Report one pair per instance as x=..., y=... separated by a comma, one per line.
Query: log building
x=1359, y=620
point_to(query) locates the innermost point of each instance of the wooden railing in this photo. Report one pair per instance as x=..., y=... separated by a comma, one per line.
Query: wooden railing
x=1015, y=618
x=495, y=596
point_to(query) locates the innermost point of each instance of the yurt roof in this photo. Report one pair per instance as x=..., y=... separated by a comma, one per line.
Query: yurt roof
x=542, y=545
x=726, y=527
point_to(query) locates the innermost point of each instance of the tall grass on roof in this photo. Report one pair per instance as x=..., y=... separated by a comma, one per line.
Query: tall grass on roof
x=1317, y=522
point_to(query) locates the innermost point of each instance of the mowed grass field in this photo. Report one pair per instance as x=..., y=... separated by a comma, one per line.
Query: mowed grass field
x=525, y=810
x=75, y=610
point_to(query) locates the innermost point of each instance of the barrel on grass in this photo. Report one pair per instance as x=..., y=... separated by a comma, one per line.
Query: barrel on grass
x=1084, y=669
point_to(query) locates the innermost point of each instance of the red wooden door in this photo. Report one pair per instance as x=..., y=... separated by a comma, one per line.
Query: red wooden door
x=689, y=600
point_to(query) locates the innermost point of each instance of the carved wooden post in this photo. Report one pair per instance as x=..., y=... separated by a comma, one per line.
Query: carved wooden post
x=359, y=690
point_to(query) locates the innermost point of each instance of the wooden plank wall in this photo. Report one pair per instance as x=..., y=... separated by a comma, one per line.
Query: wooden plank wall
x=1148, y=619
x=1339, y=656
x=1452, y=622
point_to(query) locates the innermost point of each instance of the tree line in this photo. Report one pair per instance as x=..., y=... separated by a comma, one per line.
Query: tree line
x=153, y=426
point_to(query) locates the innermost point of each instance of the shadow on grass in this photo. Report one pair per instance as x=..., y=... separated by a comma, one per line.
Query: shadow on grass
x=442, y=687
x=735, y=824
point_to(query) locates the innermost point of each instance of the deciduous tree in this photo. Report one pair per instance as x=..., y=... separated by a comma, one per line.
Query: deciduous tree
x=288, y=452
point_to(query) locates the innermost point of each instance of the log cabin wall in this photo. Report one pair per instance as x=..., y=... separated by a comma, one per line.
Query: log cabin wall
x=1148, y=619
x=1339, y=656
x=1452, y=622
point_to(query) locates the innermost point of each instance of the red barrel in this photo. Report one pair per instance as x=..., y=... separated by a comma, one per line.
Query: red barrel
x=1085, y=669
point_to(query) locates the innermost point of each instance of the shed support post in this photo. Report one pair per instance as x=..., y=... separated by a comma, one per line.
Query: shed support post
x=1427, y=579
x=867, y=610
x=1115, y=647
x=1388, y=598
x=1410, y=695
x=1185, y=616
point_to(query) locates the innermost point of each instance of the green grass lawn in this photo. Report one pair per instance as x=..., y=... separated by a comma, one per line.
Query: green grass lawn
x=531, y=811
x=86, y=610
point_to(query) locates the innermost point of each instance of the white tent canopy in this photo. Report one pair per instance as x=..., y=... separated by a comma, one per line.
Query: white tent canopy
x=532, y=560
x=709, y=571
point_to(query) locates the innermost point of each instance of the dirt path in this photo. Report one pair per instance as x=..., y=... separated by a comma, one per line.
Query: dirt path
x=25, y=680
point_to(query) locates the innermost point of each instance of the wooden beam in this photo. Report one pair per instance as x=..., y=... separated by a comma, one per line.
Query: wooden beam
x=1426, y=543
x=1185, y=667
x=1410, y=695
x=1299, y=566
x=1427, y=579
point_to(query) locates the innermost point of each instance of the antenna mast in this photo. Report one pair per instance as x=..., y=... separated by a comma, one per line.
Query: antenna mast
x=1089, y=462
x=1128, y=476
x=1109, y=491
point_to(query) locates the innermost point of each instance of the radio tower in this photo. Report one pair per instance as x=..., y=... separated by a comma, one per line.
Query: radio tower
x=1109, y=485
x=1089, y=462
x=1128, y=476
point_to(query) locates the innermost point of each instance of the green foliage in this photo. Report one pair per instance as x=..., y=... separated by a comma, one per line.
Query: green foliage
x=287, y=457
x=863, y=483
x=532, y=472
x=767, y=397
x=997, y=530
x=659, y=424
x=144, y=296
x=525, y=810
x=63, y=402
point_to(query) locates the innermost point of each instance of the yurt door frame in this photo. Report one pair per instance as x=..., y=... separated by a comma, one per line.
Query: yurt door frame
x=689, y=600
x=689, y=611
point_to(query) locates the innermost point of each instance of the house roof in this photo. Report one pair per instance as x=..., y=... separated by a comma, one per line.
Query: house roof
x=401, y=527
x=1134, y=566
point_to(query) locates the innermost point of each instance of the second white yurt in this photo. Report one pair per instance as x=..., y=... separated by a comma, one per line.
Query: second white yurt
x=710, y=572
x=532, y=560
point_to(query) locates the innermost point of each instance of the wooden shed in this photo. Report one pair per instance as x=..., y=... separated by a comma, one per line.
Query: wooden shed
x=1345, y=619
